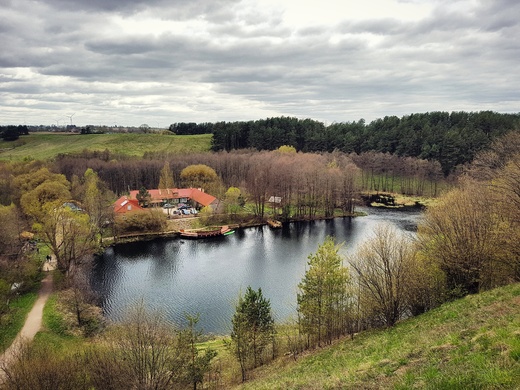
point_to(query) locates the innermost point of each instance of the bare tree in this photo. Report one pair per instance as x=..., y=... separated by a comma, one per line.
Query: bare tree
x=141, y=353
x=381, y=265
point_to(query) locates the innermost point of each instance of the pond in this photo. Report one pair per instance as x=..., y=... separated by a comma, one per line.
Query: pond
x=178, y=276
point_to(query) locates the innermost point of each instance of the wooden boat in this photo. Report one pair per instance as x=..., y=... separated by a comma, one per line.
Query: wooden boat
x=274, y=223
x=224, y=230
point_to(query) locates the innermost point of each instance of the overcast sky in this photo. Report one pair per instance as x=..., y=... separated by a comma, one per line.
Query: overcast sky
x=157, y=62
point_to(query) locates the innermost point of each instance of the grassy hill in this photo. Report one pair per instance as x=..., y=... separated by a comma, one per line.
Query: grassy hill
x=473, y=343
x=46, y=146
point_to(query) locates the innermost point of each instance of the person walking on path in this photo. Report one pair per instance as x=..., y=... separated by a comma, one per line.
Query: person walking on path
x=33, y=321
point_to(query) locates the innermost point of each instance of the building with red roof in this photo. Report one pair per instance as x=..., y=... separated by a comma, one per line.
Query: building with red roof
x=125, y=205
x=159, y=197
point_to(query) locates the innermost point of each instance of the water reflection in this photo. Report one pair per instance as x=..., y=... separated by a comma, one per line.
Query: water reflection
x=205, y=276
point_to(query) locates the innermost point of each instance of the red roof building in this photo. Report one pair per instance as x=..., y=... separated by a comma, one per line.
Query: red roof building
x=125, y=205
x=178, y=195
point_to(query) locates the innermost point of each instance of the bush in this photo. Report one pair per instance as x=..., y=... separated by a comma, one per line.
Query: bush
x=139, y=221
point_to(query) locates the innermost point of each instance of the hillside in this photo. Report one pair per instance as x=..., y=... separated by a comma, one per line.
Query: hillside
x=46, y=146
x=472, y=343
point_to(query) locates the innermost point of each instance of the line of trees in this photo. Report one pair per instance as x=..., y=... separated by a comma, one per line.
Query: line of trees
x=191, y=128
x=303, y=182
x=451, y=139
x=12, y=132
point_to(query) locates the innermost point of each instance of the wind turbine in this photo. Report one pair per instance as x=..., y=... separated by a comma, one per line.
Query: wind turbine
x=70, y=117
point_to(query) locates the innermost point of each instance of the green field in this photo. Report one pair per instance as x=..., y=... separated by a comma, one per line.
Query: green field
x=472, y=343
x=46, y=146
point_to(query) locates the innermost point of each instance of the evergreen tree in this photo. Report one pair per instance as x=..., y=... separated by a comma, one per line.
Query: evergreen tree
x=143, y=197
x=253, y=329
x=198, y=361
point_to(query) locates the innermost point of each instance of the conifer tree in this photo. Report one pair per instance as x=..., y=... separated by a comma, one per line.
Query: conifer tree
x=253, y=329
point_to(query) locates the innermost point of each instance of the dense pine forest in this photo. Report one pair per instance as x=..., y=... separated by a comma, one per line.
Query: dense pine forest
x=449, y=138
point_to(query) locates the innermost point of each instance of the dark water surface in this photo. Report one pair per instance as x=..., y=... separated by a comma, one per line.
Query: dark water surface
x=180, y=276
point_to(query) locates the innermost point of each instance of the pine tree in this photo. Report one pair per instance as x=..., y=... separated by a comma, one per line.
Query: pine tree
x=143, y=197
x=253, y=329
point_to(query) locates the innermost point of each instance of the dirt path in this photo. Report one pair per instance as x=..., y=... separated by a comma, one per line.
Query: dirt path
x=33, y=321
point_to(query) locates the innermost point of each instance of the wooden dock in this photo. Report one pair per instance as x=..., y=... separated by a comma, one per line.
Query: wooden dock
x=205, y=233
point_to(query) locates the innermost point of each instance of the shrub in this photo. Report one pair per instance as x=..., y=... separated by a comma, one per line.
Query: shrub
x=146, y=220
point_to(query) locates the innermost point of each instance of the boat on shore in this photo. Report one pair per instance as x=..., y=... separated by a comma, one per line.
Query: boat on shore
x=274, y=223
x=220, y=231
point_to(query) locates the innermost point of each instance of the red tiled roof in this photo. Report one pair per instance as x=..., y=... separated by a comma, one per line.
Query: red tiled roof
x=201, y=197
x=124, y=205
x=176, y=193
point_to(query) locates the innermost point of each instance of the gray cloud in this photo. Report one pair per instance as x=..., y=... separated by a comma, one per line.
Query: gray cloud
x=135, y=62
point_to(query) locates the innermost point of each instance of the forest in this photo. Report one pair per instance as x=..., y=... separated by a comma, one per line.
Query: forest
x=451, y=139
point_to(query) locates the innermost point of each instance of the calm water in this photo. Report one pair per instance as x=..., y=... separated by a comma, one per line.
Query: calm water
x=180, y=276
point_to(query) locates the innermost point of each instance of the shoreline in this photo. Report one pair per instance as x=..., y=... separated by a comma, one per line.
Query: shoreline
x=149, y=236
x=375, y=200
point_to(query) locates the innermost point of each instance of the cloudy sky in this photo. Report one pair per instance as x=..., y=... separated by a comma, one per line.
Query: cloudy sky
x=131, y=62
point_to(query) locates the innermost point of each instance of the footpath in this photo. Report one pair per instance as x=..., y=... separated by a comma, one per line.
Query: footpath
x=33, y=321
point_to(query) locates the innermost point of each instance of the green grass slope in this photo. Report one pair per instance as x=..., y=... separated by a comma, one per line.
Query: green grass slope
x=473, y=343
x=46, y=146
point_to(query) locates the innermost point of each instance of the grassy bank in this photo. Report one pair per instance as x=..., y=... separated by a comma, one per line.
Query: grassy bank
x=46, y=146
x=473, y=343
x=54, y=330
x=12, y=322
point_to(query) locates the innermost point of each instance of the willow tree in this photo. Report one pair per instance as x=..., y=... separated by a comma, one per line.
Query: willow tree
x=325, y=298
x=69, y=233
x=233, y=199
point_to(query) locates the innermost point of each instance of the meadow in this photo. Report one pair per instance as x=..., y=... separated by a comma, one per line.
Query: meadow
x=45, y=146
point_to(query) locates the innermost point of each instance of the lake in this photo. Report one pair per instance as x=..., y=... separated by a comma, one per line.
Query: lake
x=178, y=276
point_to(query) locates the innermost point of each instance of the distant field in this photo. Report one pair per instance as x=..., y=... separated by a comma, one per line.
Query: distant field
x=47, y=146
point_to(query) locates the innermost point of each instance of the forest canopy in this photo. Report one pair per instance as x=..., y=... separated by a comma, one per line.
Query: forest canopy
x=449, y=138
